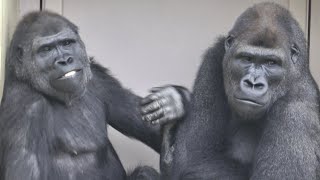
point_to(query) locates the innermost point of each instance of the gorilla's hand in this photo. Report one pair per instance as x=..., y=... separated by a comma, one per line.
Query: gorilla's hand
x=165, y=104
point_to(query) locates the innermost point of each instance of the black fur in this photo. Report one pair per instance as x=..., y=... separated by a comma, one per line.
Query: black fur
x=33, y=125
x=44, y=138
x=287, y=135
x=144, y=173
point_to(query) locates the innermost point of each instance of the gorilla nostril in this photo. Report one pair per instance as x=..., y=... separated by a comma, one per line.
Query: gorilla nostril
x=62, y=63
x=248, y=83
x=259, y=86
x=69, y=60
x=65, y=62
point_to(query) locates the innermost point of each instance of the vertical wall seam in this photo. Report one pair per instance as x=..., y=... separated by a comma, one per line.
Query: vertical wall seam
x=309, y=22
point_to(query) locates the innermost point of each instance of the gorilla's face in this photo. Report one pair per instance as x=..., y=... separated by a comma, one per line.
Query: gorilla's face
x=253, y=77
x=60, y=65
x=261, y=59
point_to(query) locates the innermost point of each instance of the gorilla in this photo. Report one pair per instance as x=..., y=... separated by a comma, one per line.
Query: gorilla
x=57, y=103
x=254, y=111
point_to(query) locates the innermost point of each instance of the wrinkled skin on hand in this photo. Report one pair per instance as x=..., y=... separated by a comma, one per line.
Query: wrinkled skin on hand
x=165, y=104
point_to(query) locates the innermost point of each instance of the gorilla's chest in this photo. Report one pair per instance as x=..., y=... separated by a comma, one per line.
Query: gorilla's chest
x=243, y=143
x=78, y=129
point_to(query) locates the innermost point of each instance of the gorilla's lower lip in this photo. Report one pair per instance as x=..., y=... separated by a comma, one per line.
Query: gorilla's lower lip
x=70, y=74
x=249, y=101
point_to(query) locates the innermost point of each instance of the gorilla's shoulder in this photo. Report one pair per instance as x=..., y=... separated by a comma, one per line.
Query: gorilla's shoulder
x=102, y=81
x=19, y=94
x=20, y=103
x=97, y=69
x=101, y=73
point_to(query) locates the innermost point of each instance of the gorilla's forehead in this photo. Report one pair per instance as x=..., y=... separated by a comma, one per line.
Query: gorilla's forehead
x=265, y=22
x=63, y=34
x=260, y=51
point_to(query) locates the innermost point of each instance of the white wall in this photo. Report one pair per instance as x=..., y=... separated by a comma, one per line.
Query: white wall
x=9, y=15
x=315, y=40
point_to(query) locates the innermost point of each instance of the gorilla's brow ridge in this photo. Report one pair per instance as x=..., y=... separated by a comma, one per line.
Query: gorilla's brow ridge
x=39, y=40
x=261, y=51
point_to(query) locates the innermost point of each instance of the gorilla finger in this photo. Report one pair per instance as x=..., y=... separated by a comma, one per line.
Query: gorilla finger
x=156, y=89
x=149, y=99
x=171, y=92
x=168, y=116
x=161, y=121
x=153, y=116
x=155, y=105
x=164, y=102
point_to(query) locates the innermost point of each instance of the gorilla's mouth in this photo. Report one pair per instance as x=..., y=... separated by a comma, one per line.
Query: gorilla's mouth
x=249, y=101
x=70, y=74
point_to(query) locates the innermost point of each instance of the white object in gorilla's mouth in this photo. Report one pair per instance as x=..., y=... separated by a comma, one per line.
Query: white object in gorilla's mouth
x=71, y=73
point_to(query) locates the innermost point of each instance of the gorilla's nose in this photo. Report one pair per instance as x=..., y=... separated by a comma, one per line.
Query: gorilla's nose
x=64, y=61
x=254, y=86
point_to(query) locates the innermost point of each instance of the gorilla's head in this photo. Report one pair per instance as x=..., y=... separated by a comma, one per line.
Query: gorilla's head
x=47, y=53
x=265, y=50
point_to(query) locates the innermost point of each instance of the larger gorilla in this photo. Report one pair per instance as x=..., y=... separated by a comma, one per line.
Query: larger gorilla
x=57, y=103
x=254, y=112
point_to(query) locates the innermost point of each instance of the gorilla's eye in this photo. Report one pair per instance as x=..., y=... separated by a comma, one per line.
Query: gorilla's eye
x=271, y=62
x=45, y=48
x=246, y=59
x=67, y=42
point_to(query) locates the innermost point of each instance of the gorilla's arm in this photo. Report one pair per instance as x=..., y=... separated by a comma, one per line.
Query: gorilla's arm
x=124, y=112
x=18, y=159
x=125, y=116
x=287, y=150
x=199, y=138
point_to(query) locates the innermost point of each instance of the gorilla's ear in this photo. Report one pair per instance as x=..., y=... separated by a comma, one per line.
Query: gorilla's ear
x=19, y=53
x=295, y=52
x=228, y=42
